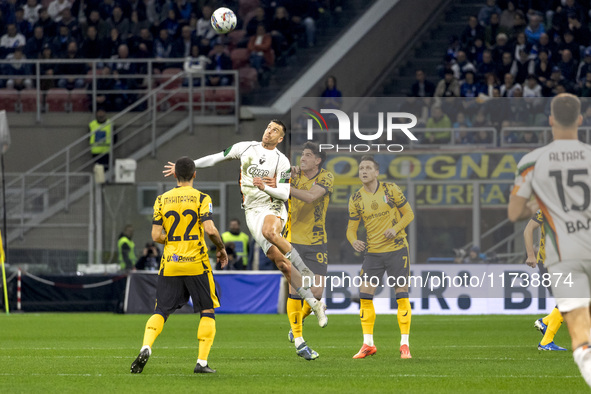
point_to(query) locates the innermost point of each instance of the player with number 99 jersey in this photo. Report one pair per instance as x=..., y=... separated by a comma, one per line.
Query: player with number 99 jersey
x=181, y=212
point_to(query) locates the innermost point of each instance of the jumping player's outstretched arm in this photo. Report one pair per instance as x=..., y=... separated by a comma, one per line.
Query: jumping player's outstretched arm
x=232, y=153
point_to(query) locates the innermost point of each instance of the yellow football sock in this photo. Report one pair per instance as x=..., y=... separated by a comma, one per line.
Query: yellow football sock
x=294, y=313
x=205, y=336
x=306, y=310
x=154, y=327
x=404, y=315
x=367, y=313
x=554, y=322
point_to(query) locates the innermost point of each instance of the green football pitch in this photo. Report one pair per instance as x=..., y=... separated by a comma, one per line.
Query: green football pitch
x=80, y=353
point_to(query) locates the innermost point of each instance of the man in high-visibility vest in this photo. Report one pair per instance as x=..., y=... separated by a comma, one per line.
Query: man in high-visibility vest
x=101, y=131
x=240, y=241
x=126, y=249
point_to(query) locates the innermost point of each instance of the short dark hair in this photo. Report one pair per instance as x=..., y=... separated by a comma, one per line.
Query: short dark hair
x=566, y=109
x=184, y=168
x=370, y=158
x=235, y=220
x=316, y=151
x=280, y=123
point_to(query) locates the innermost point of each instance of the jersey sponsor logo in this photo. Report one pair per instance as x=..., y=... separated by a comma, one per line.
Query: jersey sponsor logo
x=254, y=171
x=262, y=160
x=376, y=215
x=181, y=259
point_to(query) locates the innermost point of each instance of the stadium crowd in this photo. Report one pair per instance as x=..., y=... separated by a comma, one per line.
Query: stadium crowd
x=268, y=32
x=532, y=49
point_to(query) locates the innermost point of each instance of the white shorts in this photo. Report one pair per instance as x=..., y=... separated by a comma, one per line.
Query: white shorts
x=571, y=284
x=255, y=219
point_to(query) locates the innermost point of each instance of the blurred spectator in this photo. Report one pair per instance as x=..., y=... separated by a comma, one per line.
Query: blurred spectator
x=124, y=72
x=19, y=71
x=454, y=47
x=139, y=8
x=486, y=11
x=182, y=10
x=47, y=69
x=75, y=72
x=532, y=88
x=534, y=29
x=261, y=53
x=11, y=40
x=543, y=67
x=461, y=66
x=422, y=87
x=505, y=66
x=182, y=46
x=304, y=15
x=508, y=16
x=331, y=97
x=31, y=10
x=103, y=28
x=469, y=88
x=126, y=247
x=22, y=25
x=521, y=67
x=104, y=84
x=520, y=44
x=586, y=88
x=35, y=44
x=111, y=44
x=91, y=46
x=568, y=67
x=163, y=46
x=204, y=31
x=471, y=32
x=171, y=24
x=580, y=32
x=448, y=86
x=491, y=82
x=282, y=31
x=493, y=29
x=473, y=257
x=544, y=44
x=570, y=45
x=45, y=21
x=448, y=62
x=550, y=87
x=508, y=88
x=461, y=135
x=519, y=24
x=106, y=9
x=56, y=7
x=529, y=137
x=438, y=120
x=476, y=51
x=501, y=46
x=72, y=23
x=584, y=67
x=119, y=22
x=487, y=65
x=570, y=9
x=142, y=47
x=136, y=24
x=219, y=61
x=482, y=137
x=239, y=241
x=150, y=258
x=258, y=18
x=61, y=41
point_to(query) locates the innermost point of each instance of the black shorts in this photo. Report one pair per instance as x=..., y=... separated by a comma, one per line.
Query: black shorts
x=314, y=256
x=396, y=264
x=172, y=292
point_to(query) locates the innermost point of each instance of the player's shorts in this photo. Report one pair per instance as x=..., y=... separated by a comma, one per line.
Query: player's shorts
x=314, y=256
x=396, y=264
x=255, y=218
x=572, y=289
x=172, y=292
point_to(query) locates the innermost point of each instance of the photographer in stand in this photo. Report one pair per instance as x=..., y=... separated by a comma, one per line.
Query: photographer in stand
x=150, y=259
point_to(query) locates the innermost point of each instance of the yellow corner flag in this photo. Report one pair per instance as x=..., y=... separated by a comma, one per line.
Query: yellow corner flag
x=2, y=258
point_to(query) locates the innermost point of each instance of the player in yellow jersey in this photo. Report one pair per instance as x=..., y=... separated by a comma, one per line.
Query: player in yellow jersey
x=311, y=186
x=550, y=324
x=385, y=213
x=181, y=217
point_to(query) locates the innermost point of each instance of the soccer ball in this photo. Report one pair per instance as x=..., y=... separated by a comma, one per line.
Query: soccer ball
x=223, y=20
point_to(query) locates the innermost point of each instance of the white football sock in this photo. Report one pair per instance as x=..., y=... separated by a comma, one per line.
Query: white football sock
x=298, y=341
x=147, y=347
x=404, y=339
x=203, y=363
x=368, y=339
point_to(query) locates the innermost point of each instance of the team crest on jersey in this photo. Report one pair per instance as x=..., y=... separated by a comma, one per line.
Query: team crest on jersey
x=374, y=205
x=262, y=160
